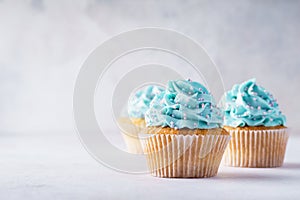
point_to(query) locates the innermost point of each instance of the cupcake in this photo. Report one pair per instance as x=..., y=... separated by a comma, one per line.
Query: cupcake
x=184, y=137
x=138, y=104
x=256, y=125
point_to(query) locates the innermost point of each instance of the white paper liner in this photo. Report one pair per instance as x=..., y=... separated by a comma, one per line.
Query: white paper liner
x=193, y=156
x=130, y=133
x=132, y=143
x=256, y=148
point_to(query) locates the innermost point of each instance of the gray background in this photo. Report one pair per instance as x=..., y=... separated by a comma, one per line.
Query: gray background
x=42, y=47
x=44, y=43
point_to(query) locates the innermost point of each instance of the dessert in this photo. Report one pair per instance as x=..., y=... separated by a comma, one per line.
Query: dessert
x=256, y=125
x=138, y=104
x=184, y=137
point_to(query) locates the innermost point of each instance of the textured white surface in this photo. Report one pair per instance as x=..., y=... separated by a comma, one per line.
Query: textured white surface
x=55, y=166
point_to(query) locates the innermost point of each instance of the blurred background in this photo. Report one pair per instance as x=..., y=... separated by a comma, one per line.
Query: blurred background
x=43, y=44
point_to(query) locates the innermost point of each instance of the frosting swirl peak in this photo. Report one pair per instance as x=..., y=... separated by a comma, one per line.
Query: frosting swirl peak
x=248, y=104
x=184, y=104
x=139, y=103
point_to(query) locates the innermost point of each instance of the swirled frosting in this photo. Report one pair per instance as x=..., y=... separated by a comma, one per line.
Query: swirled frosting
x=139, y=103
x=184, y=104
x=248, y=104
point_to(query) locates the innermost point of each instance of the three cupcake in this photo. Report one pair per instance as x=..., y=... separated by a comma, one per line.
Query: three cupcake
x=185, y=138
x=185, y=135
x=257, y=126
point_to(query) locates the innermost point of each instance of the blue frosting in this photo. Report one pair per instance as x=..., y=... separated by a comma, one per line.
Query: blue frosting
x=139, y=103
x=184, y=104
x=248, y=104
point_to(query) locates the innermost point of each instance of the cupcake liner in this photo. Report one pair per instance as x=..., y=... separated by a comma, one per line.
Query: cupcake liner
x=132, y=143
x=130, y=132
x=256, y=148
x=184, y=156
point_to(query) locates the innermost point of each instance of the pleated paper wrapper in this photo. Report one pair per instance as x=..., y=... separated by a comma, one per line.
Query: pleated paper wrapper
x=130, y=133
x=256, y=148
x=184, y=156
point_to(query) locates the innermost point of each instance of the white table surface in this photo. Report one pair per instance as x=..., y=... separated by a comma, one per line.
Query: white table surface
x=56, y=166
